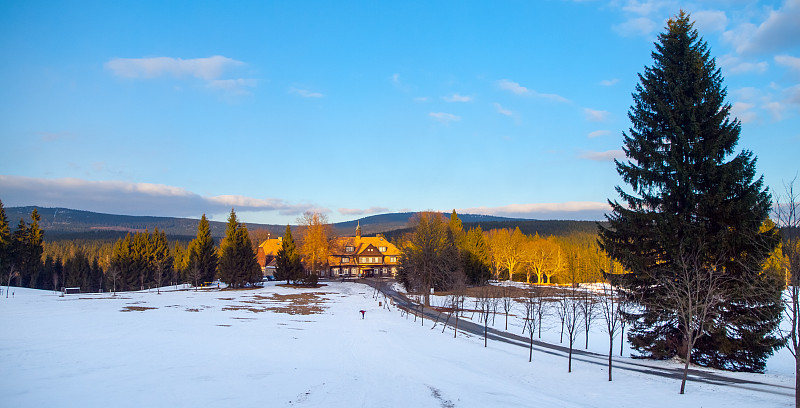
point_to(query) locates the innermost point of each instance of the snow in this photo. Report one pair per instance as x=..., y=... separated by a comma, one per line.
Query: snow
x=242, y=349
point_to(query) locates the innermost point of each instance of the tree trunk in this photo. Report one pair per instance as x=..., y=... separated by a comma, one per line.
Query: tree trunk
x=610, y=352
x=796, y=380
x=569, y=365
x=530, y=349
x=686, y=370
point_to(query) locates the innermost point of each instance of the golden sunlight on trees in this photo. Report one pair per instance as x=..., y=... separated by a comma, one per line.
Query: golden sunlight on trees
x=315, y=241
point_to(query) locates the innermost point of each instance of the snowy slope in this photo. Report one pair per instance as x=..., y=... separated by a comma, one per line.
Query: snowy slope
x=241, y=349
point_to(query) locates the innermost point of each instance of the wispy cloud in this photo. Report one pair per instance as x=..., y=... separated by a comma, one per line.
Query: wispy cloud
x=421, y=99
x=594, y=115
x=609, y=82
x=572, y=210
x=778, y=32
x=639, y=26
x=518, y=89
x=607, y=155
x=788, y=61
x=710, y=20
x=735, y=65
x=598, y=133
x=121, y=197
x=512, y=86
x=54, y=136
x=743, y=112
x=210, y=70
x=305, y=93
x=457, y=98
x=444, y=117
x=203, y=68
x=501, y=110
x=367, y=211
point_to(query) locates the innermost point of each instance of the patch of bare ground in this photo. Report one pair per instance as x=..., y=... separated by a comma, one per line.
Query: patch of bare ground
x=252, y=309
x=293, y=304
x=136, y=308
x=286, y=285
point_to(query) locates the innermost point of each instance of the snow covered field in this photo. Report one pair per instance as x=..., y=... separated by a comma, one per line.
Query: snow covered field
x=246, y=349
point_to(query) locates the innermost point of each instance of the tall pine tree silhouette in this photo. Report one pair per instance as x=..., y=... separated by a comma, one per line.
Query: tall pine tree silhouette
x=687, y=194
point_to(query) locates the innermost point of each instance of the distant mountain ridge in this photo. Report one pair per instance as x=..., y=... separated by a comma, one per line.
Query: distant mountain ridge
x=68, y=223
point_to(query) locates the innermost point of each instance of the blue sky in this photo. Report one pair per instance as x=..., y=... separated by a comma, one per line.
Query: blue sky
x=357, y=108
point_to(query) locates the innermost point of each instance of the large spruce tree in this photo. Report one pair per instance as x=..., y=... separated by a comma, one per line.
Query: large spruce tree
x=690, y=199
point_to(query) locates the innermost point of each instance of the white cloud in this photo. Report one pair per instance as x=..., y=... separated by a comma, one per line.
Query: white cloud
x=608, y=155
x=421, y=99
x=502, y=110
x=233, y=86
x=775, y=109
x=743, y=112
x=598, y=133
x=368, y=211
x=572, y=210
x=395, y=78
x=306, y=93
x=593, y=115
x=643, y=8
x=710, y=20
x=609, y=82
x=788, y=61
x=779, y=31
x=444, y=117
x=457, y=98
x=121, y=197
x=735, y=65
x=204, y=68
x=512, y=86
x=518, y=89
x=639, y=26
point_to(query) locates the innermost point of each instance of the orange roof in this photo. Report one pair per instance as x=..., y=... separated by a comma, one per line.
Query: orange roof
x=271, y=246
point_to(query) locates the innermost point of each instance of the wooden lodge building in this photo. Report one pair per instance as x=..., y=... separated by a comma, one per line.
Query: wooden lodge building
x=348, y=257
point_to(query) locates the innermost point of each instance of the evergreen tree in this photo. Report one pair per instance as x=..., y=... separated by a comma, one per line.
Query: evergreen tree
x=288, y=266
x=5, y=242
x=202, y=263
x=237, y=261
x=689, y=198
x=122, y=264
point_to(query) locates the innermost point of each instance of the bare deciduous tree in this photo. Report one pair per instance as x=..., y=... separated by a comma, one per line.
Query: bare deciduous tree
x=610, y=302
x=693, y=293
x=569, y=308
x=507, y=301
x=588, y=306
x=788, y=217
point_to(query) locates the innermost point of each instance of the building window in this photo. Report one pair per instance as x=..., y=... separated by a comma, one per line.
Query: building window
x=363, y=260
x=345, y=259
x=392, y=259
x=349, y=249
x=382, y=249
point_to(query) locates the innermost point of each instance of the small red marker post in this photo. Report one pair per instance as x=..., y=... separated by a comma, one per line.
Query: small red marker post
x=362, y=313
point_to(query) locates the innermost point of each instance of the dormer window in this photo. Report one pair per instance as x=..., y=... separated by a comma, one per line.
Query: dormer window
x=349, y=249
x=382, y=249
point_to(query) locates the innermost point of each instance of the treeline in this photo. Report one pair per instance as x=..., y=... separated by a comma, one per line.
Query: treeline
x=441, y=255
x=136, y=261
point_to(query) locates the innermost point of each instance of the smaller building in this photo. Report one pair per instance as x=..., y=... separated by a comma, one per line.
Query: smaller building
x=266, y=254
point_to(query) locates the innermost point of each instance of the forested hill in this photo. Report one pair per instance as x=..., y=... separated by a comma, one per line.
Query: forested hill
x=63, y=223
